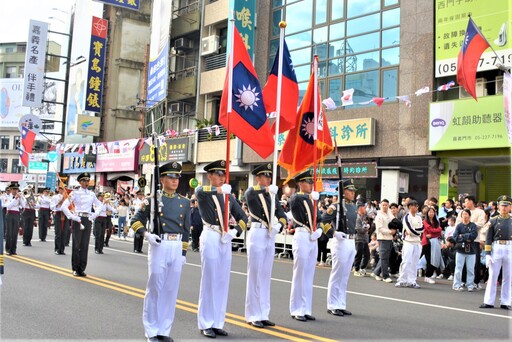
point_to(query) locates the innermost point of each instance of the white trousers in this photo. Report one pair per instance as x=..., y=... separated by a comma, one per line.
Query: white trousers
x=408, y=268
x=502, y=256
x=215, y=272
x=343, y=253
x=260, y=258
x=164, y=273
x=304, y=261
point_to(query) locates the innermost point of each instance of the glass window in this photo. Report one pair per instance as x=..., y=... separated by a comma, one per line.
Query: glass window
x=301, y=56
x=364, y=24
x=277, y=3
x=321, y=85
x=276, y=18
x=4, y=142
x=274, y=45
x=390, y=83
x=391, y=37
x=335, y=66
x=299, y=16
x=16, y=167
x=337, y=31
x=303, y=72
x=17, y=142
x=337, y=10
x=366, y=85
x=335, y=90
x=357, y=8
x=321, y=12
x=298, y=40
x=321, y=51
x=390, y=56
x=3, y=165
x=322, y=69
x=363, y=61
x=391, y=18
x=10, y=72
x=336, y=48
x=363, y=43
x=320, y=35
x=390, y=2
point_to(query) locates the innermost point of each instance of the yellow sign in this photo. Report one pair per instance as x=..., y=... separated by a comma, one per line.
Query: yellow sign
x=88, y=125
x=355, y=132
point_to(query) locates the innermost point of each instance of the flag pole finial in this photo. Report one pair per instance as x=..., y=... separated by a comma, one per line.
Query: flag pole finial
x=282, y=24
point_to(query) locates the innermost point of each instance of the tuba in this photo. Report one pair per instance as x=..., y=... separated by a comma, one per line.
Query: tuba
x=28, y=195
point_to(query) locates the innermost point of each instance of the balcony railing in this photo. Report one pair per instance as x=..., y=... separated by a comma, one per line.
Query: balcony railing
x=194, y=6
x=203, y=135
x=184, y=73
x=213, y=62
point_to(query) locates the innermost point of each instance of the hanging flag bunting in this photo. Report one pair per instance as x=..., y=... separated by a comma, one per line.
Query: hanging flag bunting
x=422, y=91
x=378, y=101
x=446, y=86
x=405, y=99
x=329, y=104
x=347, y=98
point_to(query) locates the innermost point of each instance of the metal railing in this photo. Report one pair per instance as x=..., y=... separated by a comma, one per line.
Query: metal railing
x=184, y=73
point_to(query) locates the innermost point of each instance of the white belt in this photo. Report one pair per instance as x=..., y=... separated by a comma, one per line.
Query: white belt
x=502, y=242
x=170, y=237
x=83, y=214
x=301, y=229
x=257, y=225
x=214, y=228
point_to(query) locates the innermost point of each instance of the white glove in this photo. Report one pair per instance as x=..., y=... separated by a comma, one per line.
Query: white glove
x=276, y=227
x=226, y=189
x=183, y=260
x=488, y=261
x=153, y=239
x=315, y=195
x=76, y=218
x=229, y=236
x=273, y=189
x=315, y=235
x=339, y=235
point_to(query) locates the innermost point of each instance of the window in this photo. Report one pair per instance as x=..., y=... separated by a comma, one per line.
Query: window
x=4, y=142
x=9, y=50
x=16, y=167
x=17, y=142
x=3, y=165
x=11, y=72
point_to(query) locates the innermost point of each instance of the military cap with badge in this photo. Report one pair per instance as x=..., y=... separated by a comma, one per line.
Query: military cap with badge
x=218, y=167
x=14, y=186
x=305, y=176
x=171, y=170
x=504, y=200
x=86, y=176
x=263, y=170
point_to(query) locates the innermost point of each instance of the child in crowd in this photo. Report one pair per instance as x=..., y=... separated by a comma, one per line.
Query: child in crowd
x=374, y=250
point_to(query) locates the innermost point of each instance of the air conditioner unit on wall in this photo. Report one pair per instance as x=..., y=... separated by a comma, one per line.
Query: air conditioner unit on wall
x=480, y=89
x=183, y=44
x=209, y=45
x=499, y=85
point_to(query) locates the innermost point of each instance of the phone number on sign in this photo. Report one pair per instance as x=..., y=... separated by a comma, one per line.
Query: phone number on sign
x=487, y=62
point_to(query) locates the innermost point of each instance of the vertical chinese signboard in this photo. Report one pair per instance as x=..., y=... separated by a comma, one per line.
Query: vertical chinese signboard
x=96, y=65
x=245, y=14
x=35, y=59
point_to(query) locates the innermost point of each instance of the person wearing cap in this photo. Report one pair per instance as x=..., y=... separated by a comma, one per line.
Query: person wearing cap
x=12, y=220
x=100, y=223
x=166, y=253
x=261, y=245
x=60, y=221
x=411, y=250
x=81, y=222
x=304, y=246
x=215, y=248
x=4, y=198
x=138, y=240
x=343, y=251
x=498, y=255
x=44, y=201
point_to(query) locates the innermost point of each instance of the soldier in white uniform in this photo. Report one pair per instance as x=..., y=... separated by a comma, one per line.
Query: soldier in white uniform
x=100, y=223
x=12, y=220
x=82, y=218
x=498, y=250
x=44, y=213
x=60, y=221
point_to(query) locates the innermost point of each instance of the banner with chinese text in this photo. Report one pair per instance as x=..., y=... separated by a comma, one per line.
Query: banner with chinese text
x=172, y=150
x=245, y=14
x=96, y=65
x=130, y=4
x=35, y=61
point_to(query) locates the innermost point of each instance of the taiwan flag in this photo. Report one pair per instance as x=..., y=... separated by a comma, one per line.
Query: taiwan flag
x=298, y=151
x=24, y=157
x=27, y=139
x=469, y=56
x=248, y=118
x=289, y=91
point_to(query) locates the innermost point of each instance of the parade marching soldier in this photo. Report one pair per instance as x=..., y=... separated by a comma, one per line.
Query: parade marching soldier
x=304, y=247
x=261, y=245
x=166, y=254
x=343, y=252
x=498, y=250
x=12, y=221
x=6, y=197
x=138, y=240
x=60, y=221
x=82, y=218
x=100, y=223
x=109, y=227
x=215, y=248
x=28, y=216
x=44, y=213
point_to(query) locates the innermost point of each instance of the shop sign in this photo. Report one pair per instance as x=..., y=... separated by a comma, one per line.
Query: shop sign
x=75, y=163
x=172, y=150
x=349, y=170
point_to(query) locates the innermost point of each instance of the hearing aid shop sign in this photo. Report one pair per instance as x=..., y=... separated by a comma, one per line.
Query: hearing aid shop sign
x=172, y=150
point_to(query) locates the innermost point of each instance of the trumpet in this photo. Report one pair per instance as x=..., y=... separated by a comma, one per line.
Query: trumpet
x=28, y=195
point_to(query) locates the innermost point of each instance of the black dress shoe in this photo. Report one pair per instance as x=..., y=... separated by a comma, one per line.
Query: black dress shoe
x=346, y=312
x=299, y=318
x=153, y=339
x=82, y=274
x=98, y=252
x=506, y=307
x=57, y=253
x=75, y=274
x=310, y=318
x=106, y=245
x=335, y=312
x=14, y=253
x=220, y=332
x=256, y=324
x=486, y=306
x=208, y=333
x=62, y=253
x=165, y=338
x=268, y=323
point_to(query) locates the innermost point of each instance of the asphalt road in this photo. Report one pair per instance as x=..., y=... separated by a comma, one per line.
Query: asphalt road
x=41, y=300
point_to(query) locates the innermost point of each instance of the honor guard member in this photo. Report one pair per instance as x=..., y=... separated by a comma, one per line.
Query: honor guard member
x=82, y=218
x=5, y=197
x=44, y=214
x=28, y=216
x=100, y=223
x=138, y=240
x=343, y=252
x=12, y=220
x=261, y=245
x=215, y=249
x=60, y=221
x=304, y=247
x=498, y=250
x=166, y=254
